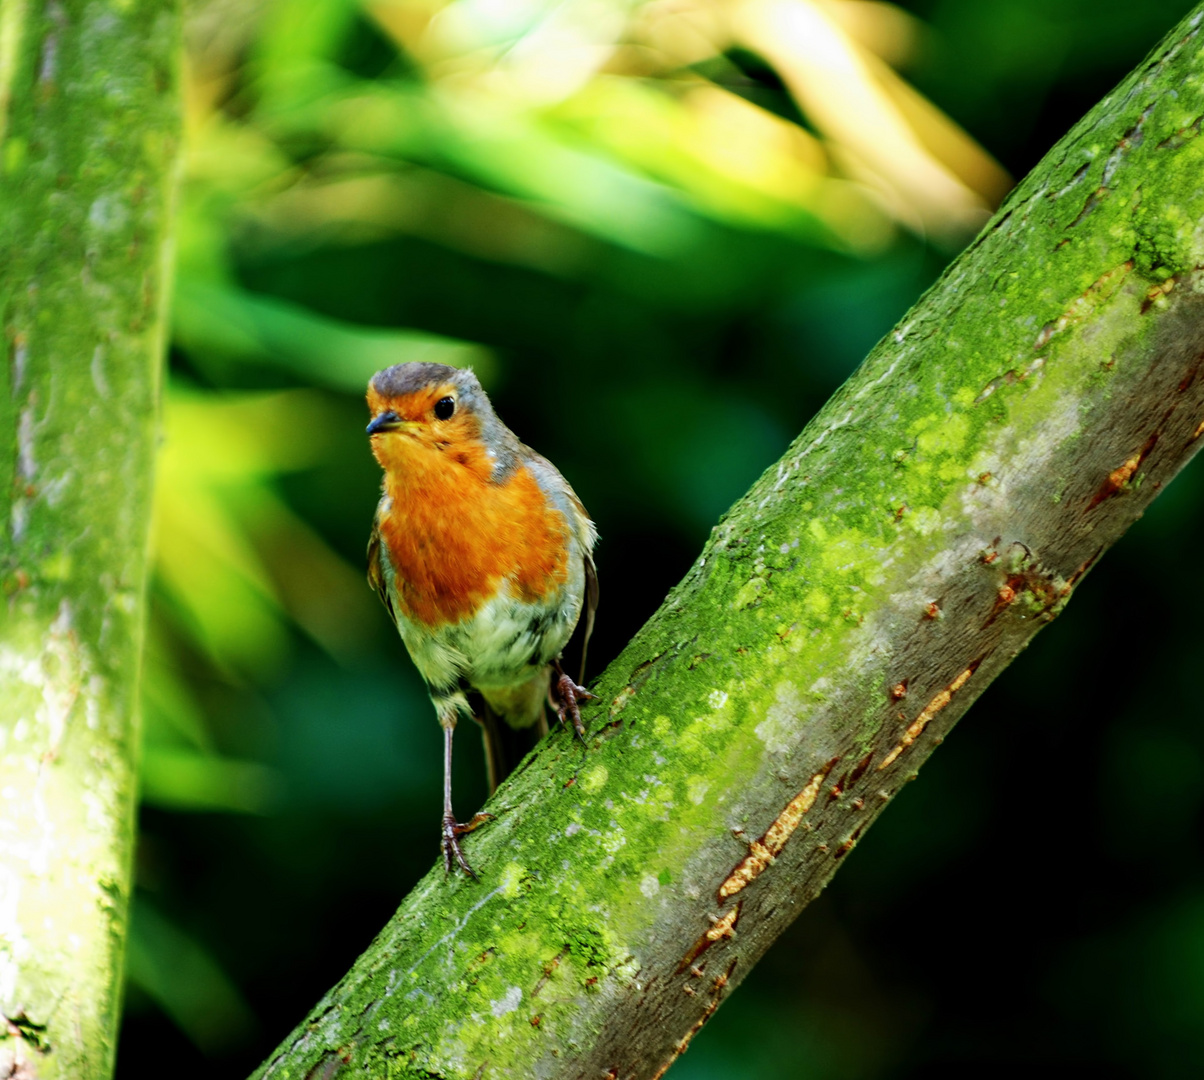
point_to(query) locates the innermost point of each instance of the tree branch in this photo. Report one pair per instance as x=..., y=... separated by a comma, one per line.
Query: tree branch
x=89, y=130
x=938, y=512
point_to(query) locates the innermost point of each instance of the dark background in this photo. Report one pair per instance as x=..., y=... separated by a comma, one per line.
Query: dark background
x=1035, y=898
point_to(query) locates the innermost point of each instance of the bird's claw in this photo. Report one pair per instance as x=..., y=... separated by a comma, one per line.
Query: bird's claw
x=450, y=844
x=568, y=695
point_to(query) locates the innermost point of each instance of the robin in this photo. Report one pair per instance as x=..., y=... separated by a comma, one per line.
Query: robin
x=482, y=554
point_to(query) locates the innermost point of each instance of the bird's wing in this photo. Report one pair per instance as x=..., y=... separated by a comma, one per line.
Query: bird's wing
x=560, y=490
x=376, y=575
x=587, y=536
x=591, y=607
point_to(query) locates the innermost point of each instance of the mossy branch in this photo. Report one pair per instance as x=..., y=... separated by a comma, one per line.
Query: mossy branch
x=938, y=512
x=89, y=136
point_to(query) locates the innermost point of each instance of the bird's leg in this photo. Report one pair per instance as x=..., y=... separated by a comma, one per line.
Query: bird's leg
x=565, y=697
x=452, y=829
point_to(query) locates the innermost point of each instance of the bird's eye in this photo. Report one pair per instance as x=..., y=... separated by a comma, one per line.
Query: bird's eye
x=444, y=407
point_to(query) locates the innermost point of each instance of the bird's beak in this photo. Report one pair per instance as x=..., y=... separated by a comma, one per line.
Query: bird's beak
x=386, y=421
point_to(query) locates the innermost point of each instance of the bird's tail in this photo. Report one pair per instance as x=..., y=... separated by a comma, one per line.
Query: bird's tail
x=505, y=746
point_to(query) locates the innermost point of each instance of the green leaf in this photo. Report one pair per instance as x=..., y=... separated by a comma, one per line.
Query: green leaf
x=213, y=318
x=182, y=779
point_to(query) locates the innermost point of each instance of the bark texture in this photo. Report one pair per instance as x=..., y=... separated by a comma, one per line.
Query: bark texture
x=938, y=512
x=89, y=131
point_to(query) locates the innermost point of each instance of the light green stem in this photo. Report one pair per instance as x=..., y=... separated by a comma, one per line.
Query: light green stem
x=89, y=138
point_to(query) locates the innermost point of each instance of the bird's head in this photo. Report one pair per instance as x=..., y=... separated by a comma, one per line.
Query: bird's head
x=420, y=410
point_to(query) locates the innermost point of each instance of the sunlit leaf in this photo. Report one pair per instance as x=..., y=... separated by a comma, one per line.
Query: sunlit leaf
x=327, y=598
x=886, y=30
x=832, y=79
x=536, y=52
x=363, y=207
x=515, y=60
x=737, y=162
x=234, y=323
x=216, y=454
x=182, y=779
x=509, y=150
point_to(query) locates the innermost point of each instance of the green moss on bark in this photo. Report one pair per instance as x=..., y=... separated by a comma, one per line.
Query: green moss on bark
x=89, y=128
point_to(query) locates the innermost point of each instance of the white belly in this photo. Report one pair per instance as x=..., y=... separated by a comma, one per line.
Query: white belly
x=504, y=644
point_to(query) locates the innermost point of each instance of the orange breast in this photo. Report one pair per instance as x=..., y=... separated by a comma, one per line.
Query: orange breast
x=453, y=536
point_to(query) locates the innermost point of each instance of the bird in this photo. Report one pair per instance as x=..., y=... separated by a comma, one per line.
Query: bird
x=483, y=557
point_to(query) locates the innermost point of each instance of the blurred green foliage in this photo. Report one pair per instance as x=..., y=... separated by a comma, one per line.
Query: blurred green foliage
x=662, y=233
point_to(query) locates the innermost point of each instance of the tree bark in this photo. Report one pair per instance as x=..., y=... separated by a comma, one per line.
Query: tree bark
x=938, y=512
x=89, y=136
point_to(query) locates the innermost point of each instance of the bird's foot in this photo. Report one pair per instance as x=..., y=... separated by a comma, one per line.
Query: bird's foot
x=452, y=831
x=566, y=697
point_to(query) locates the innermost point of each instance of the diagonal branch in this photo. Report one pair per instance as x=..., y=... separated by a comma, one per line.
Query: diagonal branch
x=938, y=512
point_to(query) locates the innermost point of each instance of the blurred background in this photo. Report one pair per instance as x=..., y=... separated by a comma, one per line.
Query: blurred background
x=662, y=233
